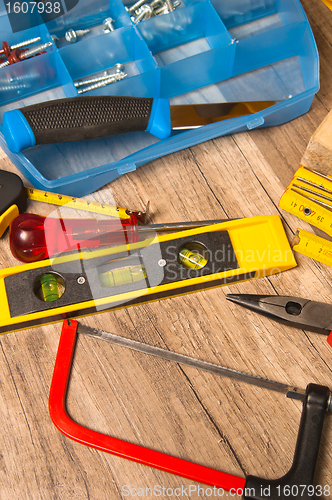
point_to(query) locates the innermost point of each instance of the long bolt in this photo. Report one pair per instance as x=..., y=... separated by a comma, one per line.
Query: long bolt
x=72, y=35
x=22, y=44
x=103, y=83
x=118, y=69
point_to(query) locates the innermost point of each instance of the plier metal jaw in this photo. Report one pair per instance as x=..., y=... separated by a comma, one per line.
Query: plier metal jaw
x=293, y=311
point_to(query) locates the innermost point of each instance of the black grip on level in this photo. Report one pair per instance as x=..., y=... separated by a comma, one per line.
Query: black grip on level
x=294, y=484
x=84, y=118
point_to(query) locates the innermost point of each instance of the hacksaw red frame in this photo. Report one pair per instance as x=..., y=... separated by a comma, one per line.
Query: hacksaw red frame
x=115, y=446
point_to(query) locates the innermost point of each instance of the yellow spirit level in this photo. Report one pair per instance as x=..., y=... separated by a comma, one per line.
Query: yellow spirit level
x=156, y=268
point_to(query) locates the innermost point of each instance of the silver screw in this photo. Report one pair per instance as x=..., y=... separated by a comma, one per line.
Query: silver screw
x=29, y=53
x=34, y=51
x=162, y=262
x=30, y=77
x=80, y=280
x=22, y=44
x=145, y=12
x=114, y=78
x=18, y=86
x=136, y=6
x=72, y=35
x=119, y=68
x=161, y=10
x=170, y=6
x=165, y=8
x=108, y=25
x=156, y=3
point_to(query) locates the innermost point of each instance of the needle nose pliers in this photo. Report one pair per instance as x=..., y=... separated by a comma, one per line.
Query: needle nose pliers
x=293, y=311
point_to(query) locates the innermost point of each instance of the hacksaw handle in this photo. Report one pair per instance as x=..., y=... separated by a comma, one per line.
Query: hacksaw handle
x=297, y=483
x=84, y=118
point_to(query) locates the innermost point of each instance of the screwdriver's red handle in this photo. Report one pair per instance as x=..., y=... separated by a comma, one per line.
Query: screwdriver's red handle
x=33, y=237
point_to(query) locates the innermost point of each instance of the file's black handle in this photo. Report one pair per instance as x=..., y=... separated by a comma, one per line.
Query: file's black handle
x=84, y=118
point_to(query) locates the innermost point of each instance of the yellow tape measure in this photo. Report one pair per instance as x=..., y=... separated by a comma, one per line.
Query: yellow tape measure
x=78, y=203
x=313, y=246
x=309, y=197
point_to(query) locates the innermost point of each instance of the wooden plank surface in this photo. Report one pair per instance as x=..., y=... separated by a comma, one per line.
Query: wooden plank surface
x=223, y=424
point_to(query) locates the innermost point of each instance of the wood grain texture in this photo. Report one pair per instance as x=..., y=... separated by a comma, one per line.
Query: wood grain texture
x=220, y=423
x=318, y=154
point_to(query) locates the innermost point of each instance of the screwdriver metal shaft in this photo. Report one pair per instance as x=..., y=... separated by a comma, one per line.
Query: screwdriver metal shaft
x=180, y=226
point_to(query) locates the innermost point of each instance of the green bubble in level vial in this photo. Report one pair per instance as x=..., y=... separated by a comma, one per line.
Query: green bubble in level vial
x=49, y=287
x=192, y=260
x=122, y=276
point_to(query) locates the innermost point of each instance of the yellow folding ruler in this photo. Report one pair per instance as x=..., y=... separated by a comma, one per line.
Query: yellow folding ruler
x=309, y=197
x=313, y=246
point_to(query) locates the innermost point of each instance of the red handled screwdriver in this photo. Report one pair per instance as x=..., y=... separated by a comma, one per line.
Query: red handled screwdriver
x=33, y=237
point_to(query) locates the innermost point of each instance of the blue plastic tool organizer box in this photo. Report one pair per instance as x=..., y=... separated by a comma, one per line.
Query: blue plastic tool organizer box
x=204, y=51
